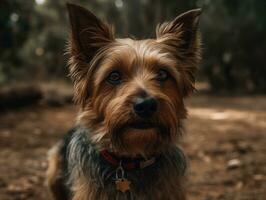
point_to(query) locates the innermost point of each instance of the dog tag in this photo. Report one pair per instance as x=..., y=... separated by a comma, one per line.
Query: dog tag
x=122, y=185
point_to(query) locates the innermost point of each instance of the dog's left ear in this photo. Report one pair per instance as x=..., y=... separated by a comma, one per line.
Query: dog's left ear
x=181, y=36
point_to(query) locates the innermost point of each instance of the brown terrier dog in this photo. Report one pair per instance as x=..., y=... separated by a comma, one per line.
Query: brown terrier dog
x=131, y=96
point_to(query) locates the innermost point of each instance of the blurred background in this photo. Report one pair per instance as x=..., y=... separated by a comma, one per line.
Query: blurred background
x=226, y=129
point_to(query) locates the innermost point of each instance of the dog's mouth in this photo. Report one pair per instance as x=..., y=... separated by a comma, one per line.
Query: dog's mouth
x=140, y=137
x=141, y=125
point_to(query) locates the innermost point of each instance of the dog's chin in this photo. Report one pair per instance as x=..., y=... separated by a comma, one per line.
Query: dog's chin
x=137, y=136
x=139, y=139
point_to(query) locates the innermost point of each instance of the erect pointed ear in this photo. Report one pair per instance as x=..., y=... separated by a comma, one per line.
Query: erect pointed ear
x=181, y=37
x=88, y=36
x=183, y=29
x=88, y=33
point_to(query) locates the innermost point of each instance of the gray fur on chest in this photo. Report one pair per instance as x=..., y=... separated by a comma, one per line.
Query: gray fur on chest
x=158, y=181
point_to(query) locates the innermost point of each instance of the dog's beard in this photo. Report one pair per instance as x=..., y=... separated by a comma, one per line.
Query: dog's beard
x=142, y=139
x=121, y=132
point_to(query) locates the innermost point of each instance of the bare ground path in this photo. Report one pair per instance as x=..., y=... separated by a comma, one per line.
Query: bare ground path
x=225, y=142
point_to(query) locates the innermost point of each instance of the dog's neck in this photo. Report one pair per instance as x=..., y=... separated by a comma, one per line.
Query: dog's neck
x=128, y=163
x=87, y=162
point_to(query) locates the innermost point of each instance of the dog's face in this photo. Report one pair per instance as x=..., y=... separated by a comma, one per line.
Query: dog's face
x=131, y=91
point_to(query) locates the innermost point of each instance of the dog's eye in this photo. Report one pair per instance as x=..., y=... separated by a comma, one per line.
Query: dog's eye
x=162, y=75
x=114, y=78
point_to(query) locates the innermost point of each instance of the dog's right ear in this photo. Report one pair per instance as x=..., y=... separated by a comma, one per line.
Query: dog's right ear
x=88, y=33
x=88, y=36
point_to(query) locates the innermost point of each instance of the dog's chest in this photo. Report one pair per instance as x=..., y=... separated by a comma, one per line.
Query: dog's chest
x=133, y=187
x=90, y=177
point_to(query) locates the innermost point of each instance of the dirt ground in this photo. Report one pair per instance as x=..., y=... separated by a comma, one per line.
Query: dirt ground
x=225, y=142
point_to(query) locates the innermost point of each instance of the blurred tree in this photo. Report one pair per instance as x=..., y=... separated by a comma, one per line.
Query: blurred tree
x=47, y=39
x=15, y=26
x=235, y=44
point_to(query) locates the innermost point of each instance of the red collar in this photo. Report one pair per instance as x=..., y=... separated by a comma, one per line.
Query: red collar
x=126, y=163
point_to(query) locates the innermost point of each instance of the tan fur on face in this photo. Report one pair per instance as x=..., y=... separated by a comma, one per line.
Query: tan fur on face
x=110, y=107
x=107, y=109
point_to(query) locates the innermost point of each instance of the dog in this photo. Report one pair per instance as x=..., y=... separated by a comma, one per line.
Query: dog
x=131, y=97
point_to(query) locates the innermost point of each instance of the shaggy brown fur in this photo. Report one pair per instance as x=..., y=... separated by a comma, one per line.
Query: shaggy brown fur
x=109, y=76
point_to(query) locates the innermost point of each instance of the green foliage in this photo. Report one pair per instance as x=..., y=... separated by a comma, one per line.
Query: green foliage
x=15, y=26
x=33, y=36
x=235, y=42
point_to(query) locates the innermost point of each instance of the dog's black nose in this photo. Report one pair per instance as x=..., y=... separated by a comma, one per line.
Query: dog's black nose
x=145, y=107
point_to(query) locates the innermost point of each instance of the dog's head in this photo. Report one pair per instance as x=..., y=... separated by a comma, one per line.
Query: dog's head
x=131, y=91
